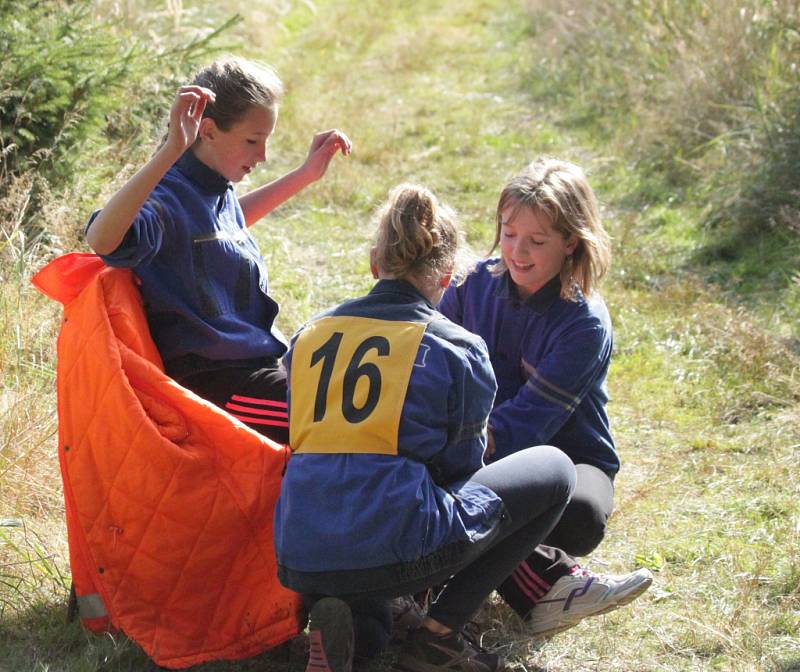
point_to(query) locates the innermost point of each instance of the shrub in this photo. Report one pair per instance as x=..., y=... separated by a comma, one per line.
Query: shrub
x=73, y=82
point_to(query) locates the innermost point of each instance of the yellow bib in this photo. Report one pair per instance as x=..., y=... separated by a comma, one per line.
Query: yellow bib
x=348, y=384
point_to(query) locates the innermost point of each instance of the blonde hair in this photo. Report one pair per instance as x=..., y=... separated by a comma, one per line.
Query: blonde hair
x=560, y=191
x=239, y=85
x=417, y=235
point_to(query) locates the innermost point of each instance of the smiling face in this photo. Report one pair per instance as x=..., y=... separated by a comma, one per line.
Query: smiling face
x=531, y=248
x=236, y=152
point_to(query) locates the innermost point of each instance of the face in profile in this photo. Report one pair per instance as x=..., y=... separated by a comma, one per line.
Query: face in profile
x=236, y=152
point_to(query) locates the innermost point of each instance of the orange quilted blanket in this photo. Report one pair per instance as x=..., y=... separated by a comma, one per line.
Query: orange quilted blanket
x=169, y=500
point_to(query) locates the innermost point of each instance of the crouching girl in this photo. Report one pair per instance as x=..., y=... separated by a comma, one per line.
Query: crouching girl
x=549, y=338
x=387, y=493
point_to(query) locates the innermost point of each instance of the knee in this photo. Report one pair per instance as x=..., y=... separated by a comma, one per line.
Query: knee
x=581, y=528
x=562, y=470
x=372, y=627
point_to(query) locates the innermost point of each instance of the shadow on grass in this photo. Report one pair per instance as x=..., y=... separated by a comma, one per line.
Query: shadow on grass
x=757, y=268
x=41, y=639
x=754, y=267
x=752, y=260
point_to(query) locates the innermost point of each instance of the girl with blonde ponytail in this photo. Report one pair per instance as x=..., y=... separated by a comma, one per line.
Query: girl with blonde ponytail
x=387, y=493
x=417, y=239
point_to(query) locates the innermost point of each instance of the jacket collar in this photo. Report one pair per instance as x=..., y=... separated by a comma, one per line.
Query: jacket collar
x=539, y=301
x=201, y=174
x=401, y=287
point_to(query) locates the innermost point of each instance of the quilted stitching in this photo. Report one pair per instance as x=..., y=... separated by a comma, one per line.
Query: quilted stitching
x=178, y=510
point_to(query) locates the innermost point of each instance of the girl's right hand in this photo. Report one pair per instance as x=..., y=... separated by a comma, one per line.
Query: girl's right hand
x=185, y=116
x=490, y=446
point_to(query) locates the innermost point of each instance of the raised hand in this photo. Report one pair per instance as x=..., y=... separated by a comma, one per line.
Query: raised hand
x=323, y=147
x=185, y=116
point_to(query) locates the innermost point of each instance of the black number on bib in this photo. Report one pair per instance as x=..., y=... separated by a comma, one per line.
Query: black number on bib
x=355, y=370
x=326, y=351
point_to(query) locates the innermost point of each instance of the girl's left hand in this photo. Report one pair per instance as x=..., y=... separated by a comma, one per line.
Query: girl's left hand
x=323, y=147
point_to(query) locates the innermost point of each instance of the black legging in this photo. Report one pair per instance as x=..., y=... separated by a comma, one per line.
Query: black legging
x=535, y=486
x=580, y=530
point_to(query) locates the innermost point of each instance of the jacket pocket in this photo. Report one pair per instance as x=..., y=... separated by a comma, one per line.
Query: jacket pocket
x=225, y=274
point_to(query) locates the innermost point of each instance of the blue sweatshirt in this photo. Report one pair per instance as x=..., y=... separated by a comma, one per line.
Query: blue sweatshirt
x=550, y=357
x=203, y=280
x=376, y=506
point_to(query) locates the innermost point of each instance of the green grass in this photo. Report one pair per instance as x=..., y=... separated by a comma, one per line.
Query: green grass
x=705, y=384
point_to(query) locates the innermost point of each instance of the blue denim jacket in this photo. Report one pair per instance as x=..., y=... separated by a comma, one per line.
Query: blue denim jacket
x=550, y=357
x=352, y=511
x=203, y=280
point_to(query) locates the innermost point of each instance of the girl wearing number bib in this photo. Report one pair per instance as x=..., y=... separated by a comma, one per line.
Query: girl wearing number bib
x=387, y=493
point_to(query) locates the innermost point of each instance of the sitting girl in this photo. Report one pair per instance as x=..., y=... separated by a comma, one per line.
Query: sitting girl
x=179, y=224
x=549, y=339
x=387, y=494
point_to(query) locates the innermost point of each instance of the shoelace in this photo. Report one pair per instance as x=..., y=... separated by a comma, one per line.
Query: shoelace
x=472, y=641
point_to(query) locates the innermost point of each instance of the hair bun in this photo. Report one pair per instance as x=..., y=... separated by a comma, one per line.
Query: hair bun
x=414, y=231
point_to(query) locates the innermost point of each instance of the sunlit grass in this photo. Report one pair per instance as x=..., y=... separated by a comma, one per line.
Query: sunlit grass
x=705, y=384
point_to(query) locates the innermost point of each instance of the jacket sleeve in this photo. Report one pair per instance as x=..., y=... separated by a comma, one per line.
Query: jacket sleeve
x=469, y=402
x=554, y=388
x=144, y=239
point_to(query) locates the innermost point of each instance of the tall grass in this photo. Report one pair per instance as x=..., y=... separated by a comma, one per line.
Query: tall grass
x=703, y=92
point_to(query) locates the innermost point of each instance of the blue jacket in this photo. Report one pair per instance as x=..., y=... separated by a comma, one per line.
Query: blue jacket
x=203, y=281
x=551, y=358
x=352, y=509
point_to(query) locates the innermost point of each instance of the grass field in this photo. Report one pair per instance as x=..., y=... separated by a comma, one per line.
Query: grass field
x=705, y=382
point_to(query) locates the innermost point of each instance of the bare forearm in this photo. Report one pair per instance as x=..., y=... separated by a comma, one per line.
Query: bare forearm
x=324, y=145
x=263, y=200
x=109, y=228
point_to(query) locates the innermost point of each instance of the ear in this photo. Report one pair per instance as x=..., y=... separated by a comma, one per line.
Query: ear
x=572, y=243
x=373, y=265
x=446, y=279
x=208, y=129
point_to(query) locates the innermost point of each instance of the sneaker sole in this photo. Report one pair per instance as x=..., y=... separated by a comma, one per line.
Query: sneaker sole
x=419, y=666
x=328, y=616
x=571, y=623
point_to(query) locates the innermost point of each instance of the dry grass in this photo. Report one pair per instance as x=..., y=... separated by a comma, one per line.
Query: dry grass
x=705, y=389
x=703, y=92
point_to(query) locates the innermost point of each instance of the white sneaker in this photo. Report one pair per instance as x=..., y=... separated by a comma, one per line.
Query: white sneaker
x=583, y=593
